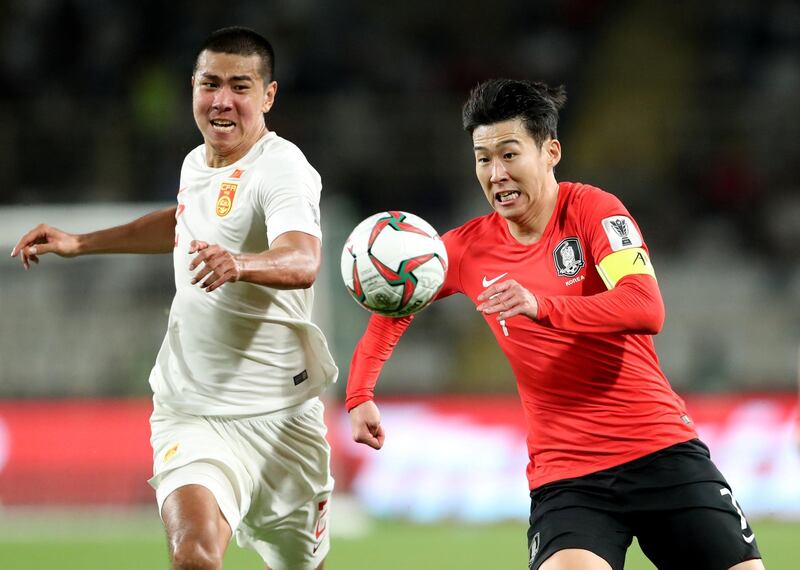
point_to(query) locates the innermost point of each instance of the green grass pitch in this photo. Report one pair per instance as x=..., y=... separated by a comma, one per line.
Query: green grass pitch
x=122, y=542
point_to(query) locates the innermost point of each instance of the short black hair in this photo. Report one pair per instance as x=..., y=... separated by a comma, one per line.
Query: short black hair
x=241, y=41
x=497, y=100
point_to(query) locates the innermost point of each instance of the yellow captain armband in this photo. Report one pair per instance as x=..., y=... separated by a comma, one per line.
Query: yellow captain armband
x=615, y=266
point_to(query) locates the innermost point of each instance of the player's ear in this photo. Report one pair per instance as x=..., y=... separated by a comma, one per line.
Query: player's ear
x=553, y=149
x=269, y=96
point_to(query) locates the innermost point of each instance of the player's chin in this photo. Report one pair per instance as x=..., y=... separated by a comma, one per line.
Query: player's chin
x=509, y=209
x=221, y=140
x=222, y=143
x=507, y=212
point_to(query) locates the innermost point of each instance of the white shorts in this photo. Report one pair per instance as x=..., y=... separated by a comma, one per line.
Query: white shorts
x=270, y=475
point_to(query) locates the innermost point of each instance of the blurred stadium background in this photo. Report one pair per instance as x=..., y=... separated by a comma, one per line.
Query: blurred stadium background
x=686, y=110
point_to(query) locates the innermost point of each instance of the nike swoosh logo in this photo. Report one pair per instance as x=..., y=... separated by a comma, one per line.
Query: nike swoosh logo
x=488, y=282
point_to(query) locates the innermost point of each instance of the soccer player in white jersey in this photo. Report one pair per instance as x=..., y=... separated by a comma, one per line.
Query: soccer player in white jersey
x=237, y=428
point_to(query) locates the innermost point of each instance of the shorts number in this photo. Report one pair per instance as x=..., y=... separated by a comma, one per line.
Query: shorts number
x=747, y=539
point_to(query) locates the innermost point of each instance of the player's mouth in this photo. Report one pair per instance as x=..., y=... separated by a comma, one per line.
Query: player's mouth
x=507, y=196
x=222, y=125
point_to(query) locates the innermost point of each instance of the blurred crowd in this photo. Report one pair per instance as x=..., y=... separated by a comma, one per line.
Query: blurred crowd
x=687, y=110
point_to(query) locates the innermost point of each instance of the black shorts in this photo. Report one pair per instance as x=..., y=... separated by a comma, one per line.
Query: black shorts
x=674, y=501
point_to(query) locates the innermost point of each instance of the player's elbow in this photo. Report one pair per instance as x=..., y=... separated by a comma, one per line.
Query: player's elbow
x=647, y=313
x=653, y=324
x=651, y=318
x=306, y=273
x=305, y=282
x=303, y=279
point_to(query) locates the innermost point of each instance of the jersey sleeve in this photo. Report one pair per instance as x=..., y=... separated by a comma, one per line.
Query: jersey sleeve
x=634, y=306
x=454, y=244
x=633, y=302
x=383, y=333
x=372, y=351
x=615, y=239
x=289, y=194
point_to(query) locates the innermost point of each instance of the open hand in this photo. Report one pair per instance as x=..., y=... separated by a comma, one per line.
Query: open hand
x=44, y=239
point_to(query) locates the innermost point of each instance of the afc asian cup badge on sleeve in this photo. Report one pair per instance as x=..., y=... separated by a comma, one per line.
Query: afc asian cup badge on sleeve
x=621, y=232
x=227, y=191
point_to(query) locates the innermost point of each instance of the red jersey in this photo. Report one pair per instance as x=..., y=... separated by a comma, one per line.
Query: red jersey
x=587, y=372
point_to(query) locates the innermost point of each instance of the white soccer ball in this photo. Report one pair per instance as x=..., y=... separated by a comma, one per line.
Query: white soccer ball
x=394, y=263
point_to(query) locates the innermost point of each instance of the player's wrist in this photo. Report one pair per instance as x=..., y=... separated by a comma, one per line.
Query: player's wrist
x=539, y=311
x=243, y=267
x=353, y=402
x=78, y=244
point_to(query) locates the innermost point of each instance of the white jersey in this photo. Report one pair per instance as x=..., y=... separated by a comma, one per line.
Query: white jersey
x=242, y=349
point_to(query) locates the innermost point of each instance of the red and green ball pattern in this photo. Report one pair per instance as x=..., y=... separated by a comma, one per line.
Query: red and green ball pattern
x=404, y=274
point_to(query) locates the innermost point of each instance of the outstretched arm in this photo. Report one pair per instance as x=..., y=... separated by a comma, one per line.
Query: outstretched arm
x=372, y=351
x=152, y=233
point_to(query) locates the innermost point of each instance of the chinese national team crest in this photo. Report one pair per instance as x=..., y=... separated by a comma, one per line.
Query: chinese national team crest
x=568, y=257
x=227, y=191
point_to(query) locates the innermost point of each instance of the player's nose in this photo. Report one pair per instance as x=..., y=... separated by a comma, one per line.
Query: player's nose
x=499, y=172
x=223, y=99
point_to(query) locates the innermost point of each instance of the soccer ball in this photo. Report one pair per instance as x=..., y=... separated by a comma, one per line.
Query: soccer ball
x=394, y=263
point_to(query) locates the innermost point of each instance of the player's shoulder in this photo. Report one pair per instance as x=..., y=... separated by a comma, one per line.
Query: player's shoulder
x=277, y=157
x=581, y=193
x=196, y=158
x=579, y=197
x=275, y=149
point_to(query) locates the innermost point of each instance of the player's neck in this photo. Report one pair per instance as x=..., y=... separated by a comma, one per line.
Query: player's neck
x=530, y=227
x=215, y=159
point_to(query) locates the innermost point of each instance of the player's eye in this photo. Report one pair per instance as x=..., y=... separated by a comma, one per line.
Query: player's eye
x=481, y=159
x=509, y=155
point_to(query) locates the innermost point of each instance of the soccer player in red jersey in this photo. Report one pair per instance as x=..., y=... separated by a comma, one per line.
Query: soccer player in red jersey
x=562, y=276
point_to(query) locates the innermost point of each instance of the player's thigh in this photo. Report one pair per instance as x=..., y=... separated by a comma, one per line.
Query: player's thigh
x=566, y=533
x=191, y=450
x=195, y=525
x=575, y=559
x=288, y=522
x=714, y=534
x=756, y=564
x=299, y=542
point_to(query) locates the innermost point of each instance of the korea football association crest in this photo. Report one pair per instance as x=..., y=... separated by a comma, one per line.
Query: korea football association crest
x=568, y=257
